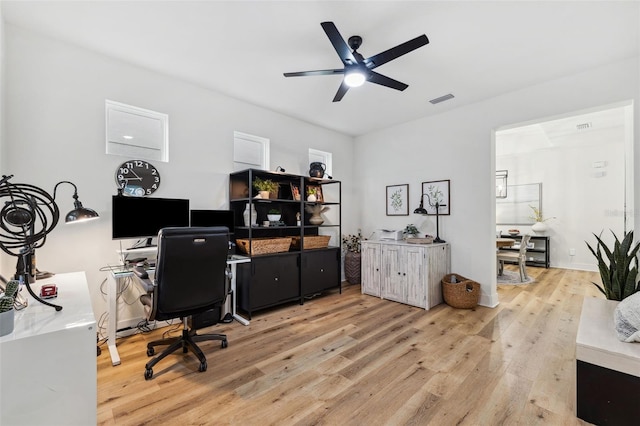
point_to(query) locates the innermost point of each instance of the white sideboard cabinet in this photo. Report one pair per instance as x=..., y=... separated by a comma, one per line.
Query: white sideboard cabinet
x=404, y=272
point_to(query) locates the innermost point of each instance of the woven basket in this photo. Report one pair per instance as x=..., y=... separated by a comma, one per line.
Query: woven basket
x=462, y=294
x=264, y=245
x=311, y=242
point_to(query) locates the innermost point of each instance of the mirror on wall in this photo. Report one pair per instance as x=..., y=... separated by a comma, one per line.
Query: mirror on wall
x=515, y=208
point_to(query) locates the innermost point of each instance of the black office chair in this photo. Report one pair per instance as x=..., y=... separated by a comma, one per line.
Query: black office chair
x=190, y=277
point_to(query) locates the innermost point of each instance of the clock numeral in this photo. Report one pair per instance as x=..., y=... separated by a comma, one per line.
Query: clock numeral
x=156, y=179
x=129, y=165
x=141, y=163
x=154, y=172
x=123, y=171
x=154, y=186
x=148, y=191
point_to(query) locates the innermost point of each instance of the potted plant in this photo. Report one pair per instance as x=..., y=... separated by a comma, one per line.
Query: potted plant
x=7, y=313
x=274, y=215
x=312, y=194
x=539, y=225
x=619, y=276
x=410, y=231
x=352, y=257
x=265, y=187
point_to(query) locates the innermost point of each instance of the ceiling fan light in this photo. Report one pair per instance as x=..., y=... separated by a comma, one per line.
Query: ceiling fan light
x=354, y=79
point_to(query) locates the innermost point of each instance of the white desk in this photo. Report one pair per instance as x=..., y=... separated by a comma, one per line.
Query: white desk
x=48, y=364
x=116, y=275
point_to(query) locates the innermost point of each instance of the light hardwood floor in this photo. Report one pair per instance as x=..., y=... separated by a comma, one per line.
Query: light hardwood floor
x=352, y=359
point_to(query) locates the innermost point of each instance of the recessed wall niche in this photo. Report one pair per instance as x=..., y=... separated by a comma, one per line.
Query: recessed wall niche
x=136, y=132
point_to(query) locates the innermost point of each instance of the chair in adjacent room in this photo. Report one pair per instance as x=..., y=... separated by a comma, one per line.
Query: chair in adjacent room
x=520, y=257
x=190, y=277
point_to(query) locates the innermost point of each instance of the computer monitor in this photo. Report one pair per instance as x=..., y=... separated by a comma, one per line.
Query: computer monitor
x=144, y=217
x=213, y=218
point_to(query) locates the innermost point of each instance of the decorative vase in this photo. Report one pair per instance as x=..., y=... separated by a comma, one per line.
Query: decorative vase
x=250, y=216
x=539, y=227
x=311, y=198
x=352, y=267
x=316, y=219
x=6, y=322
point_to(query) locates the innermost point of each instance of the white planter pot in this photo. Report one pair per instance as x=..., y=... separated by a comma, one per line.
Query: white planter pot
x=539, y=227
x=273, y=217
x=6, y=322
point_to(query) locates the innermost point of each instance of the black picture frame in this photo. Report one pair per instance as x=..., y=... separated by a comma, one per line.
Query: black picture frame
x=398, y=200
x=440, y=191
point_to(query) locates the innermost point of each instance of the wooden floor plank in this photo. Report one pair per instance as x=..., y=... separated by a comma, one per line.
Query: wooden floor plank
x=352, y=359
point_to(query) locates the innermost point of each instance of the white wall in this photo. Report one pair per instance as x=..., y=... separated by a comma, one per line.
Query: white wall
x=55, y=97
x=458, y=145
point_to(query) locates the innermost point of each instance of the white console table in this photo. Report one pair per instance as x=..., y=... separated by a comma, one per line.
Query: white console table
x=48, y=363
x=114, y=280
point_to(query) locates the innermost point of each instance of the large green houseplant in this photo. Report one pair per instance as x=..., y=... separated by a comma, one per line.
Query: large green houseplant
x=618, y=267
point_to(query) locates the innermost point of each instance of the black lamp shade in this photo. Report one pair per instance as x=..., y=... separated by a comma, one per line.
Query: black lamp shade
x=80, y=214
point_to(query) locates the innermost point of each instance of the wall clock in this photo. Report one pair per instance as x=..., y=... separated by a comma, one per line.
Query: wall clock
x=137, y=178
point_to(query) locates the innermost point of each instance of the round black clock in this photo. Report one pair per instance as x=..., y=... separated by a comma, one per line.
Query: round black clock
x=137, y=178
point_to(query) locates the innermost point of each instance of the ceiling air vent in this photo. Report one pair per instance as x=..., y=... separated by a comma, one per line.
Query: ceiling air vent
x=442, y=98
x=583, y=126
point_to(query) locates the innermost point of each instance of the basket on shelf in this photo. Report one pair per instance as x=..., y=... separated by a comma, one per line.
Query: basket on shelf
x=311, y=242
x=460, y=292
x=263, y=245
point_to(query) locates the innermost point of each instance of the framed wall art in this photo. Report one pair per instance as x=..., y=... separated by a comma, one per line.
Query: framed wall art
x=437, y=192
x=398, y=200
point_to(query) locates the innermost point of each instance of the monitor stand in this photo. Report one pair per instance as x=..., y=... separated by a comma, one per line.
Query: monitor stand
x=147, y=245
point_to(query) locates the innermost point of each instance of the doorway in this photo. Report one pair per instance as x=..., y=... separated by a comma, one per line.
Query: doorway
x=583, y=162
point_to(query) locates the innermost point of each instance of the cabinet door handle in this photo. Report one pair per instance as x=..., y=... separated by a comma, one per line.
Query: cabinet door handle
x=275, y=279
x=321, y=270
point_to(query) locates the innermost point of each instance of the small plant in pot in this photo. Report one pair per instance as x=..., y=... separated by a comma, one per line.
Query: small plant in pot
x=7, y=312
x=410, y=231
x=619, y=276
x=265, y=187
x=274, y=215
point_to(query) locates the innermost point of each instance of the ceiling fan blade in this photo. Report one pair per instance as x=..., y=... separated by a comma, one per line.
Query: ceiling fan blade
x=316, y=72
x=382, y=80
x=395, y=52
x=342, y=90
x=338, y=43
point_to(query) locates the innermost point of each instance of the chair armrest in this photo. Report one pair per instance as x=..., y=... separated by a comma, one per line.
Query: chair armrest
x=143, y=277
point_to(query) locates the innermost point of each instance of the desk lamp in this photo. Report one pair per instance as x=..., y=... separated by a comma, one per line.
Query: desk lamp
x=422, y=210
x=26, y=217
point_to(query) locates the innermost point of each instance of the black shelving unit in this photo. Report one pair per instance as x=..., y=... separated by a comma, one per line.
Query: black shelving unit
x=538, y=255
x=299, y=273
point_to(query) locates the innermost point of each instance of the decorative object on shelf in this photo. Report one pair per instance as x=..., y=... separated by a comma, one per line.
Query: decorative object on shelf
x=619, y=277
x=316, y=210
x=410, y=231
x=295, y=191
x=438, y=194
x=265, y=187
x=137, y=178
x=501, y=183
x=514, y=232
x=398, y=200
x=352, y=257
x=7, y=311
x=314, y=194
x=274, y=215
x=250, y=216
x=28, y=215
x=460, y=292
x=317, y=170
x=298, y=219
x=539, y=225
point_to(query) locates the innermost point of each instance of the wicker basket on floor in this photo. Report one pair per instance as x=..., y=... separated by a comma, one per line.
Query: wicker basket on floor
x=460, y=292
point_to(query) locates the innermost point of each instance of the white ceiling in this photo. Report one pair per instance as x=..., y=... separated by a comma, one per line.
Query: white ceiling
x=477, y=49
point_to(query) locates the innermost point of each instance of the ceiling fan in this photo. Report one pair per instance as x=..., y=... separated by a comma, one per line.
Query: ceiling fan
x=358, y=69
